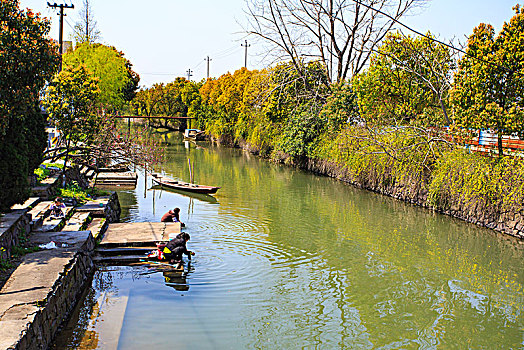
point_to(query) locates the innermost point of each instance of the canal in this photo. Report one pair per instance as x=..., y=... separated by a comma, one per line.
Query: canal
x=287, y=260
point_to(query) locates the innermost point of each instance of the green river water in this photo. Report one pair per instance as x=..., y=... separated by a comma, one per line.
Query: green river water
x=290, y=260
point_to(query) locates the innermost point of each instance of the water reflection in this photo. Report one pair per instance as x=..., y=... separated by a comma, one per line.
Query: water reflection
x=176, y=279
x=291, y=260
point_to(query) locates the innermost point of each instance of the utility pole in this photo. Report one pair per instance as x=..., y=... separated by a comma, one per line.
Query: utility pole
x=189, y=74
x=87, y=22
x=208, y=59
x=245, y=55
x=61, y=14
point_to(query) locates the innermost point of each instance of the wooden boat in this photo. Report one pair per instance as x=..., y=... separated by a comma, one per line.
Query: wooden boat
x=194, y=135
x=204, y=197
x=183, y=186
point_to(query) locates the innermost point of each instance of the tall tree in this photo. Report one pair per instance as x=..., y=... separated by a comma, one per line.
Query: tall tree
x=28, y=58
x=85, y=29
x=341, y=34
x=71, y=100
x=489, y=86
x=407, y=81
x=108, y=65
x=90, y=136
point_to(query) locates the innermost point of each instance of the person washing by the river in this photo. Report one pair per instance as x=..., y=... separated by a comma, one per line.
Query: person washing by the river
x=57, y=209
x=176, y=247
x=172, y=216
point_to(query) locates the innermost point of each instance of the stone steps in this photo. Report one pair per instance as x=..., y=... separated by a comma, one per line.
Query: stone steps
x=124, y=251
x=97, y=226
x=39, y=213
x=116, y=178
x=77, y=222
x=29, y=204
x=43, y=289
x=50, y=224
x=121, y=259
x=46, y=188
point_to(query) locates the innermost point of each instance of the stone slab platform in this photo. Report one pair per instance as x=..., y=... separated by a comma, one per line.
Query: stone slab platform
x=77, y=222
x=75, y=240
x=25, y=292
x=98, y=227
x=117, y=176
x=39, y=212
x=139, y=233
x=96, y=207
x=27, y=205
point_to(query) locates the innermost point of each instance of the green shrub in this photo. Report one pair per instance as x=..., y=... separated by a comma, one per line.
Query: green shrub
x=73, y=190
x=46, y=169
x=476, y=183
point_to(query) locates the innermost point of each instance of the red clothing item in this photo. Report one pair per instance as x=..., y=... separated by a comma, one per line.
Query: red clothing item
x=170, y=216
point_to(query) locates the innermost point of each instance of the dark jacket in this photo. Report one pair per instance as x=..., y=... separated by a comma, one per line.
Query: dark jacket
x=177, y=245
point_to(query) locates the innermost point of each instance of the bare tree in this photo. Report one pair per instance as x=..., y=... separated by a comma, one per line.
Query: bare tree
x=342, y=34
x=85, y=29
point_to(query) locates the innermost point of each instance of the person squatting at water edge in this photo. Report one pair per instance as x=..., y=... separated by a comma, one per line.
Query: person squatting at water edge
x=172, y=216
x=175, y=248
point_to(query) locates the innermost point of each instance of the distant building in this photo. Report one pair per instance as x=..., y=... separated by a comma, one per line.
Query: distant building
x=67, y=46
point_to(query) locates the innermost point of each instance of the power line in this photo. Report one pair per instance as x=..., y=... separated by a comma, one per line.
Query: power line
x=69, y=24
x=433, y=39
x=157, y=73
x=227, y=54
x=197, y=65
x=225, y=51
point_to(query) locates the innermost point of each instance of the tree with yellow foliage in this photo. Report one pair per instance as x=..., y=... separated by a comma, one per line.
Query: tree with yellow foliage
x=489, y=86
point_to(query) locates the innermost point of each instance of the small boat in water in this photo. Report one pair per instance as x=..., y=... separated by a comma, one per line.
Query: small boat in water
x=204, y=197
x=183, y=186
x=194, y=135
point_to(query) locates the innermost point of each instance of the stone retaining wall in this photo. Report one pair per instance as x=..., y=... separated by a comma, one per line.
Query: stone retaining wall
x=113, y=210
x=47, y=189
x=58, y=305
x=12, y=226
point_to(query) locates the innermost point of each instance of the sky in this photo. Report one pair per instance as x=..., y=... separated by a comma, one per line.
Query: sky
x=165, y=38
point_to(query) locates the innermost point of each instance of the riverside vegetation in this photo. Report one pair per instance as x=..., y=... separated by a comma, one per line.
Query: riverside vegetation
x=400, y=127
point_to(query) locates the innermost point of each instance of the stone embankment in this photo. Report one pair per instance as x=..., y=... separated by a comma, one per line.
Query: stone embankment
x=44, y=288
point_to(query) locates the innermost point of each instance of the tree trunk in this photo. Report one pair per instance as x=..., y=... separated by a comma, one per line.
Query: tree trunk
x=444, y=110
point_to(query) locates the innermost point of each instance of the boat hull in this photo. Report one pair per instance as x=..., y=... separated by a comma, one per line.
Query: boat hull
x=185, y=186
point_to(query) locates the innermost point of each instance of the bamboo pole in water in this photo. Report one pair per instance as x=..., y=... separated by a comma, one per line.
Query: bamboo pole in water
x=145, y=184
x=190, y=171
